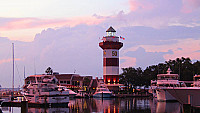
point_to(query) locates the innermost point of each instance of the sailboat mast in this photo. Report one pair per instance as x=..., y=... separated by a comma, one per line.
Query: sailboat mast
x=13, y=58
x=24, y=73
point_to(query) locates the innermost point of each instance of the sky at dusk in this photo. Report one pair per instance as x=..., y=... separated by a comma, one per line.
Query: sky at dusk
x=64, y=34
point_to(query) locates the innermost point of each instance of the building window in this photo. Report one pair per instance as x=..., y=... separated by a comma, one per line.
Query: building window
x=65, y=82
x=61, y=81
x=68, y=82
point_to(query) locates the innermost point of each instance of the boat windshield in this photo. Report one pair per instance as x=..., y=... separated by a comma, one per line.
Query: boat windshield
x=102, y=90
x=48, y=89
x=167, y=78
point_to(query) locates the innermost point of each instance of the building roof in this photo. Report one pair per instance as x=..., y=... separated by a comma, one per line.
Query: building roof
x=77, y=78
x=110, y=29
x=94, y=83
x=64, y=76
x=37, y=75
x=32, y=77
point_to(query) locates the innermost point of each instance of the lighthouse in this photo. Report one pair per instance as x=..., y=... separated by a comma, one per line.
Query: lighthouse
x=111, y=46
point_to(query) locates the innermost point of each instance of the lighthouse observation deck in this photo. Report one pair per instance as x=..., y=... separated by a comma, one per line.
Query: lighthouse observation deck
x=110, y=41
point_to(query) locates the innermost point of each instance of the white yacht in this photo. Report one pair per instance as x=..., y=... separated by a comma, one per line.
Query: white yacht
x=72, y=94
x=81, y=94
x=102, y=92
x=46, y=91
x=165, y=81
x=187, y=95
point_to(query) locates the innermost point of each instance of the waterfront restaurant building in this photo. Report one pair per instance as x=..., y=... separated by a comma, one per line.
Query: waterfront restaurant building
x=72, y=81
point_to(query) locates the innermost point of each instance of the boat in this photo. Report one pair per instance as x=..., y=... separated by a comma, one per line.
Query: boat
x=72, y=94
x=1, y=101
x=46, y=91
x=187, y=95
x=165, y=81
x=82, y=94
x=102, y=92
x=152, y=88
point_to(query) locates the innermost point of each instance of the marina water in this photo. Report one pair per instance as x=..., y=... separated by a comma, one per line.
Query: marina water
x=107, y=105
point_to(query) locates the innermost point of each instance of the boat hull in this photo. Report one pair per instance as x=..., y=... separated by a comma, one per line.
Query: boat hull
x=102, y=95
x=186, y=95
x=49, y=97
x=163, y=95
x=153, y=92
x=72, y=95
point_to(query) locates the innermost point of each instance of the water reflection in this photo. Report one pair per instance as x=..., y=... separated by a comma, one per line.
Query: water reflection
x=49, y=110
x=165, y=107
x=34, y=110
x=168, y=107
x=112, y=105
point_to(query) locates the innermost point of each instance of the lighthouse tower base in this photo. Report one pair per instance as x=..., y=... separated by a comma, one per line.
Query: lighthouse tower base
x=114, y=87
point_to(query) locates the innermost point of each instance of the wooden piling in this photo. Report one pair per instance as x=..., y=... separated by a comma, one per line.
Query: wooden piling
x=187, y=108
x=24, y=106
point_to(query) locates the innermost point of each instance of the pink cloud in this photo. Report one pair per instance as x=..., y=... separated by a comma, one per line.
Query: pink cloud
x=139, y=4
x=186, y=49
x=8, y=60
x=28, y=23
x=129, y=62
x=190, y=5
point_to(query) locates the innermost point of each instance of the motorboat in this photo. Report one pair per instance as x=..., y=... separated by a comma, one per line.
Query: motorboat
x=1, y=101
x=72, y=94
x=152, y=88
x=81, y=94
x=102, y=92
x=165, y=81
x=46, y=92
x=187, y=95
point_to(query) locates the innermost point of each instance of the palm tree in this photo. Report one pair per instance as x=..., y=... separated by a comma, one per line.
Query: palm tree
x=49, y=71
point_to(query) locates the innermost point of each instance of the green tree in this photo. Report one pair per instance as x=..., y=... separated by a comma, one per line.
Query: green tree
x=49, y=71
x=196, y=67
x=183, y=67
x=138, y=77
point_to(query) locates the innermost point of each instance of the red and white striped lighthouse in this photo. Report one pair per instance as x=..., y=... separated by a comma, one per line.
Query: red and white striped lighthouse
x=111, y=46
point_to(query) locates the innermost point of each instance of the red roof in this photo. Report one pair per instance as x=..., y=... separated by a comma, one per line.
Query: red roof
x=110, y=29
x=64, y=76
x=77, y=78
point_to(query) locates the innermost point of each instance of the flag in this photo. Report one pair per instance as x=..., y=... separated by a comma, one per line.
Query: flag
x=113, y=37
x=122, y=37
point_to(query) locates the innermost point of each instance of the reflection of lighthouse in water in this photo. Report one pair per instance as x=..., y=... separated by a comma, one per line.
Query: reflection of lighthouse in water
x=111, y=46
